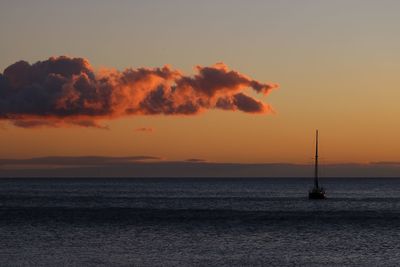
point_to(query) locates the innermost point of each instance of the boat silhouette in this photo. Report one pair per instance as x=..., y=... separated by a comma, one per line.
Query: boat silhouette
x=316, y=192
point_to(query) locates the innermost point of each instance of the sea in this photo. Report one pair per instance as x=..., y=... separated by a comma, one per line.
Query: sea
x=199, y=222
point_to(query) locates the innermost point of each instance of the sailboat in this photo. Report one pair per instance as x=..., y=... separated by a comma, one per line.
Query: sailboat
x=316, y=192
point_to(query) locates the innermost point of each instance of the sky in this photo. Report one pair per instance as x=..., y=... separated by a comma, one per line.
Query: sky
x=336, y=64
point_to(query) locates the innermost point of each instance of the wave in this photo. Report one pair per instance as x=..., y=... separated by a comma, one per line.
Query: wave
x=137, y=215
x=179, y=198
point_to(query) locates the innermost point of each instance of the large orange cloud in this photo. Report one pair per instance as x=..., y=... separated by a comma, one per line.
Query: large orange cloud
x=64, y=91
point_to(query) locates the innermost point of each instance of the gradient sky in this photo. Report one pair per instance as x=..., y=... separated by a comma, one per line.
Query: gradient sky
x=337, y=63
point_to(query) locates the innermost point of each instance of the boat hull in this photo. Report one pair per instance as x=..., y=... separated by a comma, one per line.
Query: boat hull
x=317, y=193
x=316, y=196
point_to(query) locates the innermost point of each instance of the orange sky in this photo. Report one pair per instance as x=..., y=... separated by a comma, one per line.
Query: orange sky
x=337, y=65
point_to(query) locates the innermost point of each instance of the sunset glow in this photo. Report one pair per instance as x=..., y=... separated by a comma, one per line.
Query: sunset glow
x=333, y=74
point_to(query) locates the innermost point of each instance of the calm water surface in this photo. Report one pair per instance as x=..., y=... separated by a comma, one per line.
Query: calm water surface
x=198, y=222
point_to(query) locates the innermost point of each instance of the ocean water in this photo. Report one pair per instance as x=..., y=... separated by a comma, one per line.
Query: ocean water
x=198, y=222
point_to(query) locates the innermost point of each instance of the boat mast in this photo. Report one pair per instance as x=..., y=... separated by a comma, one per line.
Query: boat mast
x=316, y=162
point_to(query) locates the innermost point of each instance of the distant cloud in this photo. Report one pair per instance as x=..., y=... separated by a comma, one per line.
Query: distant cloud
x=144, y=166
x=195, y=160
x=386, y=163
x=64, y=91
x=144, y=129
x=78, y=161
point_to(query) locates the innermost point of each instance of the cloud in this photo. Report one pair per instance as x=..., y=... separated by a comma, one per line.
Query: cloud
x=64, y=91
x=144, y=129
x=385, y=163
x=195, y=160
x=39, y=123
x=78, y=161
x=145, y=166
